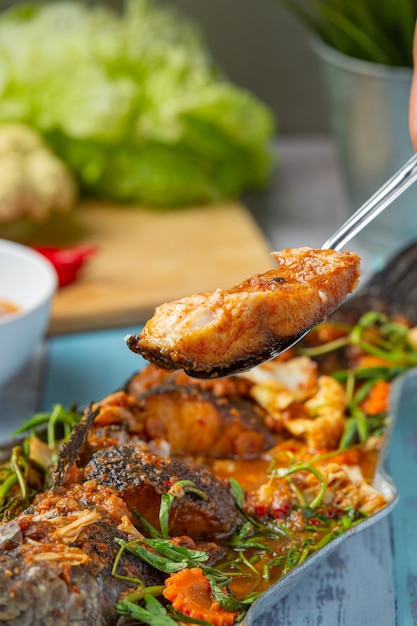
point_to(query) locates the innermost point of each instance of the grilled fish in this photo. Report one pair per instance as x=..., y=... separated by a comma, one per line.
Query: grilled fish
x=56, y=559
x=224, y=428
x=57, y=556
x=140, y=479
x=211, y=419
x=215, y=334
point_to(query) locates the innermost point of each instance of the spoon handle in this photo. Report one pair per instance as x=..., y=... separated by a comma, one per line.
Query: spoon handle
x=390, y=190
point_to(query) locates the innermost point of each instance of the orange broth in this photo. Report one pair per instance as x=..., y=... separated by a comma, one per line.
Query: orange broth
x=7, y=308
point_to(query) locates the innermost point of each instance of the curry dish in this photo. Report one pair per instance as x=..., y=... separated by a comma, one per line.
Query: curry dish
x=178, y=500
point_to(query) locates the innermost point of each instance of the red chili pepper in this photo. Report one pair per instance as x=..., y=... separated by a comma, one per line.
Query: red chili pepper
x=67, y=261
x=260, y=510
x=281, y=512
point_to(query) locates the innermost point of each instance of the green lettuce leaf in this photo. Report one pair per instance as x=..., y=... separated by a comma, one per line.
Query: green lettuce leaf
x=132, y=102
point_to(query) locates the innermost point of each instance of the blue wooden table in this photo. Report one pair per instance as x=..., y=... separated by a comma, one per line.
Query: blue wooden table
x=372, y=578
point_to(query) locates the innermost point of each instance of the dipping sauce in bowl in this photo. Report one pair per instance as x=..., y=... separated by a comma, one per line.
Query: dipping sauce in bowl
x=27, y=285
x=6, y=307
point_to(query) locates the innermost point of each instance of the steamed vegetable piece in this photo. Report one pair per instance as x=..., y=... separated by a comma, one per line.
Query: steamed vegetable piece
x=132, y=102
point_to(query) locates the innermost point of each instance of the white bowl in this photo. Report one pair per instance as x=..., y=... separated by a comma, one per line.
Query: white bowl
x=29, y=281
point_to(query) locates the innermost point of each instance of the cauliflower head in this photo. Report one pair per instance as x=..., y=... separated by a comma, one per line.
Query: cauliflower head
x=34, y=182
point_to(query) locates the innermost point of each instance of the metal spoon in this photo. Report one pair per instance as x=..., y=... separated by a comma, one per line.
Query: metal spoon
x=377, y=203
x=166, y=355
x=394, y=187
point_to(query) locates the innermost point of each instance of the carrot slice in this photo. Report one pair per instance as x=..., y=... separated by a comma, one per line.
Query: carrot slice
x=370, y=360
x=189, y=592
x=377, y=399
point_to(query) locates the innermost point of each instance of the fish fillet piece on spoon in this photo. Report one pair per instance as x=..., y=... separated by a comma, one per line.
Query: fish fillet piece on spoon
x=228, y=331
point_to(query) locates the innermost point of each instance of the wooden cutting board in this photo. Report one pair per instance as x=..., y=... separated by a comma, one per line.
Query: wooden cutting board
x=147, y=257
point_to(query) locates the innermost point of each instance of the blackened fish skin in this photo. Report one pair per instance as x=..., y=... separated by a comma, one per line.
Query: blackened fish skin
x=55, y=592
x=141, y=478
x=392, y=290
x=37, y=595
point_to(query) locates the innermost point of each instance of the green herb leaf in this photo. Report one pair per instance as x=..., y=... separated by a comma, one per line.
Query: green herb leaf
x=58, y=415
x=177, y=491
x=237, y=491
x=163, y=555
x=284, y=472
x=226, y=600
x=152, y=613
